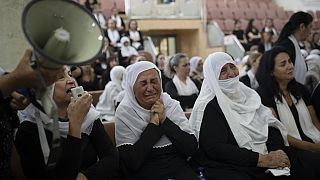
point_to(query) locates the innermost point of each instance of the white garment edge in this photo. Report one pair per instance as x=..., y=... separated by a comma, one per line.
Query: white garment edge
x=300, y=67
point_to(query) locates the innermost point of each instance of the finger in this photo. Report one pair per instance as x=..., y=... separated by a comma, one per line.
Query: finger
x=27, y=55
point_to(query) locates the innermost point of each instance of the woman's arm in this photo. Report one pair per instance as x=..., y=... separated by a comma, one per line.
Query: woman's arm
x=108, y=162
x=305, y=145
x=184, y=142
x=135, y=155
x=314, y=117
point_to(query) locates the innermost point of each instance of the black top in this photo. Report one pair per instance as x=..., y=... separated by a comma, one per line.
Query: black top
x=78, y=155
x=140, y=41
x=270, y=102
x=315, y=97
x=185, y=101
x=239, y=34
x=8, y=121
x=218, y=148
x=164, y=79
x=142, y=161
x=245, y=80
x=261, y=47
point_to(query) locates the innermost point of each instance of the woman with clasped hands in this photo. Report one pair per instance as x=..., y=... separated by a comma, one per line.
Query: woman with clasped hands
x=152, y=133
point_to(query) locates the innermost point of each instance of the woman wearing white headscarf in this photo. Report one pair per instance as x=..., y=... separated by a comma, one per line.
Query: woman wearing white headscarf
x=106, y=104
x=196, y=68
x=238, y=137
x=126, y=49
x=86, y=151
x=152, y=133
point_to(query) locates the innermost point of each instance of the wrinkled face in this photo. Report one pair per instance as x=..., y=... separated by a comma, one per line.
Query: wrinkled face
x=147, y=88
x=283, y=67
x=229, y=70
x=183, y=68
x=133, y=25
x=62, y=88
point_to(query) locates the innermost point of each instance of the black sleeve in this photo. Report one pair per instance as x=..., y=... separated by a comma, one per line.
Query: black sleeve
x=306, y=96
x=275, y=140
x=184, y=142
x=32, y=160
x=141, y=38
x=245, y=80
x=316, y=100
x=134, y=155
x=108, y=156
x=218, y=142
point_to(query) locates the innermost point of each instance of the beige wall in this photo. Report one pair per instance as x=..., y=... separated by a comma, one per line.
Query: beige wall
x=191, y=36
x=12, y=40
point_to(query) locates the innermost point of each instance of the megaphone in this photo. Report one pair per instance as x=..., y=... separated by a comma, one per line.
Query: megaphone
x=61, y=32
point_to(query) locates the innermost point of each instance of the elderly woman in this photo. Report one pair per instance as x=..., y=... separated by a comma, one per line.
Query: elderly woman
x=107, y=101
x=152, y=133
x=238, y=137
x=86, y=151
x=196, y=68
x=288, y=99
x=181, y=87
x=126, y=49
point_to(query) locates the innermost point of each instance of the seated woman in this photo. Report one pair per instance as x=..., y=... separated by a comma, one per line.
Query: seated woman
x=288, y=99
x=107, y=100
x=253, y=63
x=238, y=137
x=152, y=133
x=181, y=87
x=196, y=68
x=86, y=151
x=135, y=35
x=126, y=49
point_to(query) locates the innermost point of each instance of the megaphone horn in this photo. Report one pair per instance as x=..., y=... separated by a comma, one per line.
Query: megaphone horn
x=61, y=32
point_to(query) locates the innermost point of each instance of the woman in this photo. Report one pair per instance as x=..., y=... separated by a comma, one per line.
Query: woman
x=126, y=49
x=296, y=30
x=266, y=41
x=107, y=100
x=288, y=99
x=253, y=63
x=152, y=133
x=113, y=35
x=160, y=63
x=83, y=139
x=117, y=19
x=238, y=137
x=88, y=79
x=196, y=68
x=252, y=34
x=315, y=44
x=111, y=62
x=239, y=32
x=135, y=35
x=181, y=87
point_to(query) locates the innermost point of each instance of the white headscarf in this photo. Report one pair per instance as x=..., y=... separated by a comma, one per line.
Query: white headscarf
x=106, y=104
x=300, y=68
x=1, y=71
x=127, y=51
x=194, y=61
x=131, y=119
x=247, y=117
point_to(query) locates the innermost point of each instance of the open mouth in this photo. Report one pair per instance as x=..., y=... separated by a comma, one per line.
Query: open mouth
x=69, y=90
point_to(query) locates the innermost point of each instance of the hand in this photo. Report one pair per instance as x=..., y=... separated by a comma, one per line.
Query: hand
x=77, y=110
x=81, y=177
x=28, y=77
x=158, y=108
x=275, y=159
x=18, y=101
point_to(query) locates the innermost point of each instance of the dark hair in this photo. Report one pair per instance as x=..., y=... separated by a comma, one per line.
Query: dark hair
x=268, y=82
x=157, y=56
x=173, y=62
x=294, y=23
x=250, y=25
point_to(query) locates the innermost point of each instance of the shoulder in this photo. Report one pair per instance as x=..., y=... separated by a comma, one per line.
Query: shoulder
x=267, y=98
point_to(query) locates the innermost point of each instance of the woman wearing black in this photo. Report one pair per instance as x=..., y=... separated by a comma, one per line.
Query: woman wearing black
x=252, y=34
x=83, y=139
x=296, y=30
x=289, y=100
x=238, y=137
x=152, y=133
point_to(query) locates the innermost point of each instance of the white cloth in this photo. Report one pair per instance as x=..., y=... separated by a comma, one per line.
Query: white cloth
x=107, y=100
x=247, y=117
x=100, y=18
x=113, y=35
x=267, y=46
x=253, y=81
x=286, y=117
x=131, y=119
x=128, y=50
x=185, y=89
x=33, y=114
x=300, y=68
x=134, y=35
x=194, y=61
x=118, y=20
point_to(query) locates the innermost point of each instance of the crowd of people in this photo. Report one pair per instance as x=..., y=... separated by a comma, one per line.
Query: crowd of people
x=261, y=123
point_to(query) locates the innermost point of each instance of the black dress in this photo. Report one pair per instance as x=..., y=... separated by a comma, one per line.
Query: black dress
x=315, y=97
x=222, y=158
x=269, y=101
x=142, y=161
x=185, y=101
x=245, y=80
x=78, y=155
